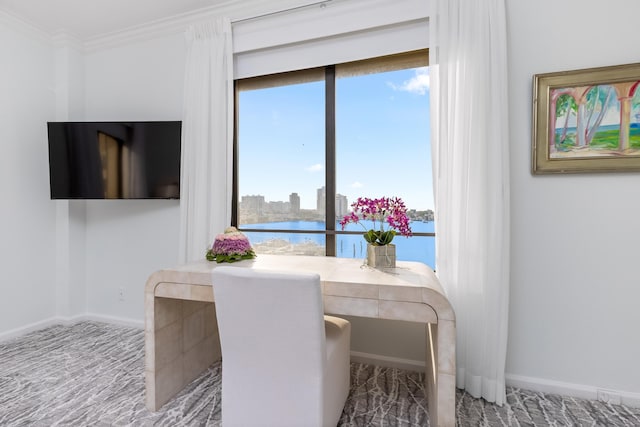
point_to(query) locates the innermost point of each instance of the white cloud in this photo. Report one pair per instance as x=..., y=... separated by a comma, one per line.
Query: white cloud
x=315, y=168
x=356, y=185
x=418, y=84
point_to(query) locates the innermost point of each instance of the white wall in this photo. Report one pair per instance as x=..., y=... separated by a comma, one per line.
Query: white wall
x=71, y=292
x=27, y=216
x=575, y=285
x=127, y=240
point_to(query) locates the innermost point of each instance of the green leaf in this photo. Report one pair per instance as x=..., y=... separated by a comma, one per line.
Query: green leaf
x=230, y=257
x=386, y=237
x=370, y=236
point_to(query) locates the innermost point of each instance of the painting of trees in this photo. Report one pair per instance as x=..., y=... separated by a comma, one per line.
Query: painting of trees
x=587, y=120
x=581, y=110
x=599, y=99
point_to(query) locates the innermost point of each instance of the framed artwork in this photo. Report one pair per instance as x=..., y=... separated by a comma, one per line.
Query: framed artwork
x=587, y=120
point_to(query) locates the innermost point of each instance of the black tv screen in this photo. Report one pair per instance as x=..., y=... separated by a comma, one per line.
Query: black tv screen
x=114, y=160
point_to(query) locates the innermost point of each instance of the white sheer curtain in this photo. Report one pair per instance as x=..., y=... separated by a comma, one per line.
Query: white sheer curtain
x=207, y=138
x=468, y=69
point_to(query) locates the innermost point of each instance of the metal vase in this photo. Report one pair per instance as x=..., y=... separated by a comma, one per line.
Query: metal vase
x=381, y=256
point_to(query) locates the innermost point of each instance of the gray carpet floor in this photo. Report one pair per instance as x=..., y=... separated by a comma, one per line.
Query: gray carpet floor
x=92, y=374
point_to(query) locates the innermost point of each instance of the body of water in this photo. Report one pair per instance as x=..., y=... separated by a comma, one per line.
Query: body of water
x=414, y=248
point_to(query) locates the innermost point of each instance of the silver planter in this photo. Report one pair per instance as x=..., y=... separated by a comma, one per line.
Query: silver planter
x=381, y=256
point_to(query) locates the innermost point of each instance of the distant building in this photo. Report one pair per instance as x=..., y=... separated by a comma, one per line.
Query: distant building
x=294, y=201
x=342, y=205
x=429, y=215
x=253, y=204
x=278, y=207
x=321, y=202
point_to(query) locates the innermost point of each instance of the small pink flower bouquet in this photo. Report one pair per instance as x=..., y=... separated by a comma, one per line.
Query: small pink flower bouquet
x=230, y=246
x=389, y=211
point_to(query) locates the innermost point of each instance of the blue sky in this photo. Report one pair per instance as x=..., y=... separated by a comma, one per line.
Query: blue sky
x=382, y=135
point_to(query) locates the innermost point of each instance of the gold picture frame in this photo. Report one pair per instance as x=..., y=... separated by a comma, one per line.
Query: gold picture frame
x=587, y=120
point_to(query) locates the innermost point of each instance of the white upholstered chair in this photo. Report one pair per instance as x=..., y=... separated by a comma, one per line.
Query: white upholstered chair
x=283, y=362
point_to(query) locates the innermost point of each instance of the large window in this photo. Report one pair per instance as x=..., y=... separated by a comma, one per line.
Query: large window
x=309, y=143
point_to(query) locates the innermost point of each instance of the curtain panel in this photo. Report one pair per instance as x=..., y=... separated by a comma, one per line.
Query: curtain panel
x=207, y=138
x=470, y=152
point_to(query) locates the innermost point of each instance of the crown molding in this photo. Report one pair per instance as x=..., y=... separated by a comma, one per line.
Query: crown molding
x=243, y=11
x=150, y=30
x=176, y=24
x=234, y=9
x=24, y=27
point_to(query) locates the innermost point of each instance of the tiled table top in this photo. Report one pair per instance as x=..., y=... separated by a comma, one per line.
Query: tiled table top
x=341, y=277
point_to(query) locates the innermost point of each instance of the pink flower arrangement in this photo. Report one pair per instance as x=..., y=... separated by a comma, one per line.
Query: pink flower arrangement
x=230, y=246
x=386, y=210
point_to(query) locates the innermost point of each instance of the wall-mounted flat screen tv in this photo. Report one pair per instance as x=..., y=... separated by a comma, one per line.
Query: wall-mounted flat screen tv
x=114, y=160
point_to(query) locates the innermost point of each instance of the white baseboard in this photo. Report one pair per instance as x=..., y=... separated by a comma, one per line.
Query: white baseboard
x=574, y=390
x=528, y=383
x=59, y=320
x=122, y=321
x=387, y=361
x=12, y=333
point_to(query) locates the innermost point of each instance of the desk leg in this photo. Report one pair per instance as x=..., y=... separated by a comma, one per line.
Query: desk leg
x=181, y=341
x=440, y=373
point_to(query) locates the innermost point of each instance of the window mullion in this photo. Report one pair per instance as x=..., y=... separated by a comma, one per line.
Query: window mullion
x=234, y=194
x=330, y=159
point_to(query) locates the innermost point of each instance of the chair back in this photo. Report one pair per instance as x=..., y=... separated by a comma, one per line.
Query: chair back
x=272, y=337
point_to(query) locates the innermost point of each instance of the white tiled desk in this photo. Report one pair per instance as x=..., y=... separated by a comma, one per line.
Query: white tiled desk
x=181, y=337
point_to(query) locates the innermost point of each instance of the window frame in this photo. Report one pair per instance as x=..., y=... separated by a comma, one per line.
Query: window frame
x=328, y=73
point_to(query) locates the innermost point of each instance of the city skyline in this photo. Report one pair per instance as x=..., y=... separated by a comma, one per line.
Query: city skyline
x=255, y=208
x=258, y=201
